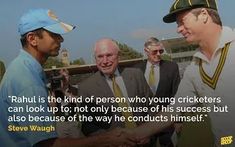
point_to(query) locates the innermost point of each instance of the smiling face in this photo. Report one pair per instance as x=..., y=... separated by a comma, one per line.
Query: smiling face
x=189, y=26
x=106, y=56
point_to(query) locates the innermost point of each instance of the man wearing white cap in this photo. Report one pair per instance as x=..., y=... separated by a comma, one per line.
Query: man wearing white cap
x=40, y=32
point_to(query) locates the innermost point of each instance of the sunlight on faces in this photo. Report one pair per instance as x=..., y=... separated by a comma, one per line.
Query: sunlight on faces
x=154, y=52
x=106, y=56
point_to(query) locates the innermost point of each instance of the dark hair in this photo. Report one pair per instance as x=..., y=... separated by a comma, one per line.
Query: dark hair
x=213, y=14
x=23, y=38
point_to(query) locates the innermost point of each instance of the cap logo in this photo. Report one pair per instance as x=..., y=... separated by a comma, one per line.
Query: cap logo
x=52, y=15
x=208, y=4
x=216, y=4
x=66, y=29
x=176, y=2
x=190, y=3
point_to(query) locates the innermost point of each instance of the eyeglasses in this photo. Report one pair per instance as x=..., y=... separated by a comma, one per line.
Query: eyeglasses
x=154, y=52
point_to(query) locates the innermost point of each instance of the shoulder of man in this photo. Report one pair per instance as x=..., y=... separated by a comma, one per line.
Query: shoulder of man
x=132, y=72
x=90, y=79
x=169, y=64
x=130, y=69
x=140, y=65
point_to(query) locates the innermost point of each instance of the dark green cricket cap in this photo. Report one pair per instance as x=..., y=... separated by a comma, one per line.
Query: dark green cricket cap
x=182, y=5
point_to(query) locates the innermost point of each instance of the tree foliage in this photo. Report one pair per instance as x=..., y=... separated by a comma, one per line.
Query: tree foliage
x=127, y=52
x=166, y=57
x=53, y=61
x=79, y=61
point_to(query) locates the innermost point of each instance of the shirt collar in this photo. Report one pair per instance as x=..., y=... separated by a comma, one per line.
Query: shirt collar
x=116, y=73
x=227, y=35
x=36, y=66
x=149, y=64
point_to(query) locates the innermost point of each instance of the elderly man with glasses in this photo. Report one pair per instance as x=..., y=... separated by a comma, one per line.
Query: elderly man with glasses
x=162, y=77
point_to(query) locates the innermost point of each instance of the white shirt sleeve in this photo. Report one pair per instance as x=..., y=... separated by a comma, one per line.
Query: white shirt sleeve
x=186, y=88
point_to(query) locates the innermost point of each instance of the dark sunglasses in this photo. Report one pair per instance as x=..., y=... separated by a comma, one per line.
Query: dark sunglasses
x=157, y=51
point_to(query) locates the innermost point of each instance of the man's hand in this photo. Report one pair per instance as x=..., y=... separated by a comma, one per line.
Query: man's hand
x=65, y=81
x=143, y=141
x=137, y=139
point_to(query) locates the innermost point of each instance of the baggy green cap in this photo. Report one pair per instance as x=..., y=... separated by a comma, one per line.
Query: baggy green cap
x=182, y=5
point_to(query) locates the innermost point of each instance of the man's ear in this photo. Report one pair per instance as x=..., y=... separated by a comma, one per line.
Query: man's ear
x=31, y=39
x=146, y=50
x=204, y=15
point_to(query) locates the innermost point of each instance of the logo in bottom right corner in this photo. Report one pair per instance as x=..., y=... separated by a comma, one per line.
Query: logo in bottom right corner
x=226, y=140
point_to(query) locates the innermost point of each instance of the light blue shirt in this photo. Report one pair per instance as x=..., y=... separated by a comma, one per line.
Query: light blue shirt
x=24, y=77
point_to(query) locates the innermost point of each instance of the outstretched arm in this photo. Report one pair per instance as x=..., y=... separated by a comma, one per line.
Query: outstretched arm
x=114, y=138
